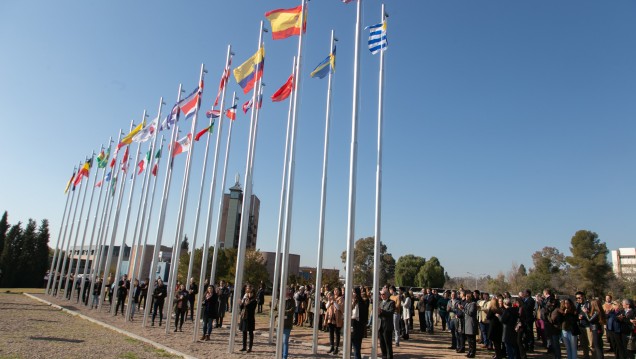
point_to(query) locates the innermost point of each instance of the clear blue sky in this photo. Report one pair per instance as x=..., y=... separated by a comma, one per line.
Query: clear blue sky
x=508, y=125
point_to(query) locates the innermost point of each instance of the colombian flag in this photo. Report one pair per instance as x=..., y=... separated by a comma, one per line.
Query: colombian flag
x=250, y=71
x=286, y=22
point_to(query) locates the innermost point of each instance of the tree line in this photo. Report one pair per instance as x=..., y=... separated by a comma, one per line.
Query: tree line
x=24, y=253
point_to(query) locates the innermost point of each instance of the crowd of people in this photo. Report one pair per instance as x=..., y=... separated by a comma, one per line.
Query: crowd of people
x=508, y=326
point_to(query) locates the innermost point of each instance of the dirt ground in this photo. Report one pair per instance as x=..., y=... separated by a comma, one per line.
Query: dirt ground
x=67, y=336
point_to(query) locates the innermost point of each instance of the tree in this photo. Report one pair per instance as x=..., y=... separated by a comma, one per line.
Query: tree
x=363, y=262
x=330, y=278
x=590, y=267
x=498, y=284
x=516, y=278
x=549, y=265
x=9, y=260
x=29, y=273
x=184, y=264
x=406, y=270
x=4, y=227
x=254, y=269
x=431, y=274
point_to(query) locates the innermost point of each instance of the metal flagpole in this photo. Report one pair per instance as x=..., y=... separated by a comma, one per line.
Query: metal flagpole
x=101, y=237
x=162, y=214
x=378, y=197
x=281, y=215
x=353, y=174
x=122, y=249
x=245, y=208
x=290, y=183
x=120, y=197
x=184, y=201
x=88, y=217
x=142, y=260
x=69, y=284
x=61, y=265
x=92, y=251
x=141, y=211
x=323, y=203
x=58, y=246
x=55, y=263
x=217, y=237
x=206, y=246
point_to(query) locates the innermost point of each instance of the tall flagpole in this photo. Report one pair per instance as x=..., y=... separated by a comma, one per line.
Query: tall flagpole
x=61, y=266
x=353, y=173
x=141, y=211
x=92, y=251
x=217, y=237
x=245, y=207
x=184, y=201
x=290, y=183
x=281, y=214
x=206, y=246
x=162, y=213
x=120, y=197
x=58, y=245
x=323, y=203
x=69, y=284
x=103, y=225
x=122, y=249
x=88, y=217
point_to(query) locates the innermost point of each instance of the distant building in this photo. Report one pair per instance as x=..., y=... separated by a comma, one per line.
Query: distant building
x=270, y=261
x=231, y=218
x=624, y=263
x=309, y=273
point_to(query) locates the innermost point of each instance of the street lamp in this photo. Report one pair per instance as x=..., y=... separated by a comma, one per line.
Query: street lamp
x=476, y=276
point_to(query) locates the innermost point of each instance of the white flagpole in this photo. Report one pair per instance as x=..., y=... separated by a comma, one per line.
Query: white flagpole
x=58, y=243
x=69, y=284
x=217, y=237
x=101, y=232
x=323, y=203
x=120, y=197
x=245, y=208
x=66, y=253
x=290, y=183
x=122, y=249
x=162, y=215
x=141, y=211
x=184, y=201
x=206, y=246
x=281, y=214
x=353, y=171
x=93, y=251
x=378, y=196
x=88, y=216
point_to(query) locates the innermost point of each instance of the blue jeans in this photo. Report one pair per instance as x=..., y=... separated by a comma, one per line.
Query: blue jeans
x=555, y=344
x=429, y=320
x=396, y=327
x=286, y=333
x=570, y=342
x=207, y=325
x=483, y=329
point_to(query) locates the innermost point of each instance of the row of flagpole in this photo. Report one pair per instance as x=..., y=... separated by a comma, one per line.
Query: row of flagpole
x=58, y=266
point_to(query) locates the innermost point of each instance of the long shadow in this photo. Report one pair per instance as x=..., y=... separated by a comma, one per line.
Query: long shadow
x=54, y=339
x=43, y=320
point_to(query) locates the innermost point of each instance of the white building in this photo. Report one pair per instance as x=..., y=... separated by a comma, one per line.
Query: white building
x=624, y=262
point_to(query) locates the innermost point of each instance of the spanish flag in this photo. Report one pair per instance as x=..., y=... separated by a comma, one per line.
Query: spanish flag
x=286, y=22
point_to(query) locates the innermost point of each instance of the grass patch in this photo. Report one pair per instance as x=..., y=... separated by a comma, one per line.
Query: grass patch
x=132, y=340
x=162, y=353
x=22, y=290
x=128, y=355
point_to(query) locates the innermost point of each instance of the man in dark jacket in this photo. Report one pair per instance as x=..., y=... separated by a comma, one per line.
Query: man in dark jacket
x=158, y=296
x=193, y=290
x=385, y=314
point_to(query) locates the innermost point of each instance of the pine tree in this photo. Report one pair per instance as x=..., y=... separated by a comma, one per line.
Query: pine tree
x=27, y=259
x=9, y=258
x=42, y=251
x=4, y=227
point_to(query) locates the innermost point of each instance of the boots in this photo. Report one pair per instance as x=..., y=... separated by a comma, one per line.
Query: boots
x=330, y=350
x=335, y=352
x=207, y=337
x=203, y=337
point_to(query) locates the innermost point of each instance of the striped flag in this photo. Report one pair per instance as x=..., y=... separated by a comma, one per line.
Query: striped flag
x=213, y=113
x=224, y=78
x=231, y=113
x=247, y=105
x=377, y=37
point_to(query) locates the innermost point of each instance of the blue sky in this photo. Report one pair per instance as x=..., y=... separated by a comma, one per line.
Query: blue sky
x=508, y=125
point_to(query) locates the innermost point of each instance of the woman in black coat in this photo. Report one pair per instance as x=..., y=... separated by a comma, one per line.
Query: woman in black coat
x=248, y=322
x=495, y=329
x=509, y=319
x=210, y=310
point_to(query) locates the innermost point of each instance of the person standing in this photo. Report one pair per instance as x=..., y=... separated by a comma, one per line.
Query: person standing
x=210, y=310
x=193, y=290
x=585, y=338
x=158, y=296
x=470, y=324
x=122, y=293
x=288, y=324
x=569, y=327
x=97, y=289
x=144, y=293
x=386, y=309
x=431, y=304
x=224, y=295
x=397, y=315
x=260, y=297
x=406, y=312
x=356, y=324
x=136, y=292
x=248, y=321
x=596, y=317
x=180, y=307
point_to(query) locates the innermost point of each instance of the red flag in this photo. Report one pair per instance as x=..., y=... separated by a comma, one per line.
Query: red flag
x=209, y=129
x=224, y=78
x=154, y=169
x=124, y=161
x=283, y=93
x=231, y=113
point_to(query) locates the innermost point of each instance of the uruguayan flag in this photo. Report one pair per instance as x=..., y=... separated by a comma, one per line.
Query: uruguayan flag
x=377, y=37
